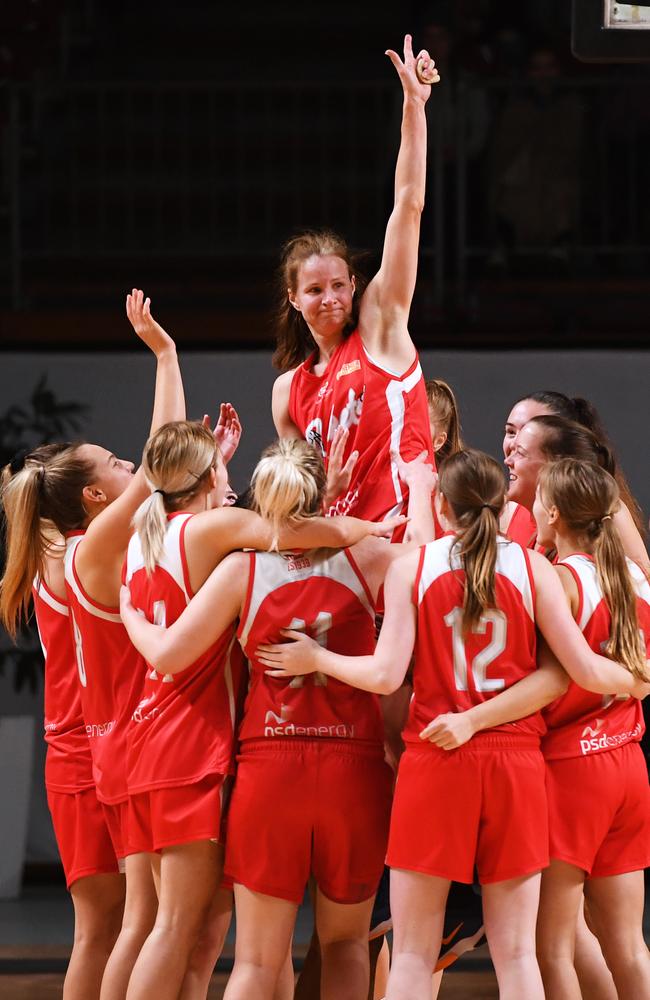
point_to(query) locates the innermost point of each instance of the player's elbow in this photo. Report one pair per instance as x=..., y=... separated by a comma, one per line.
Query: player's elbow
x=410, y=202
x=387, y=683
x=559, y=684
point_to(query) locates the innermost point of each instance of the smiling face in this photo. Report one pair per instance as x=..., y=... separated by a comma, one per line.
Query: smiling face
x=323, y=295
x=524, y=462
x=111, y=477
x=520, y=414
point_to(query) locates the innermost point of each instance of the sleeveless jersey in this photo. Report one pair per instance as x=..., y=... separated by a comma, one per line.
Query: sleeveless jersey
x=580, y=722
x=183, y=726
x=522, y=527
x=68, y=765
x=111, y=672
x=453, y=672
x=383, y=413
x=324, y=594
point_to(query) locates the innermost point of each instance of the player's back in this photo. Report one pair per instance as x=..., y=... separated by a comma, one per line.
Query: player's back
x=581, y=722
x=454, y=671
x=324, y=594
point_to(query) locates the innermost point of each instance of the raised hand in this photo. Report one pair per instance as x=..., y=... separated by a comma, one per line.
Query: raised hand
x=227, y=432
x=138, y=310
x=339, y=473
x=417, y=73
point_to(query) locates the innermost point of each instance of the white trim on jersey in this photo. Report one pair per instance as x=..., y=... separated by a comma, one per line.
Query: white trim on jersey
x=395, y=392
x=382, y=368
x=592, y=595
x=170, y=560
x=49, y=599
x=227, y=675
x=511, y=563
x=272, y=572
x=71, y=547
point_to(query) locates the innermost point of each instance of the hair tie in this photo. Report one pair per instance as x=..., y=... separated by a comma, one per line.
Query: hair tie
x=488, y=505
x=162, y=492
x=18, y=461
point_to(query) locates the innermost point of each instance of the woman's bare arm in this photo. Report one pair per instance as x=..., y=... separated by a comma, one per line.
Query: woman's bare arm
x=384, y=311
x=215, y=607
x=384, y=671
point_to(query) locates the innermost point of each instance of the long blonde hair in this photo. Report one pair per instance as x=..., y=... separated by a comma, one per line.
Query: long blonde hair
x=442, y=401
x=587, y=497
x=474, y=487
x=288, y=484
x=177, y=462
x=46, y=490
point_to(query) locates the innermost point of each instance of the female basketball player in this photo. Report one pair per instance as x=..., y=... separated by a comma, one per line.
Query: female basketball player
x=443, y=600
x=87, y=855
x=597, y=783
x=91, y=496
x=363, y=374
x=517, y=521
x=548, y=438
x=181, y=737
x=321, y=741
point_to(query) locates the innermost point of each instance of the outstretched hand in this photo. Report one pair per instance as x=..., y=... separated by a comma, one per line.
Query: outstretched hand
x=417, y=73
x=385, y=529
x=138, y=310
x=227, y=432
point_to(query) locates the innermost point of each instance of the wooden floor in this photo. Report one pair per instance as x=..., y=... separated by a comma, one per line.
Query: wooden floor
x=455, y=986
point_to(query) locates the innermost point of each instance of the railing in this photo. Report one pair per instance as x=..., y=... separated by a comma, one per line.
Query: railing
x=222, y=172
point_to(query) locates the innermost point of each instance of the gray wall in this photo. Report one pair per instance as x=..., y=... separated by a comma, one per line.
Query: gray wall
x=118, y=389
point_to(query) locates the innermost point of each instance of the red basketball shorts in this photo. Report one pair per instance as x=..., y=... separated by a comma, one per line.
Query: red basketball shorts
x=180, y=814
x=309, y=806
x=482, y=805
x=599, y=811
x=116, y=817
x=82, y=835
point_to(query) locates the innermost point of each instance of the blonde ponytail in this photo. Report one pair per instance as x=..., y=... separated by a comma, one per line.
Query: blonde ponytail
x=48, y=488
x=474, y=487
x=625, y=644
x=177, y=462
x=586, y=498
x=288, y=484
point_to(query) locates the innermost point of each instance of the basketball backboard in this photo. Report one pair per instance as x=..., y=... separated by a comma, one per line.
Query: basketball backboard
x=608, y=31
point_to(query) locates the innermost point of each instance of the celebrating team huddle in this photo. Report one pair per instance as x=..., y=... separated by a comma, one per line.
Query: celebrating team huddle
x=223, y=719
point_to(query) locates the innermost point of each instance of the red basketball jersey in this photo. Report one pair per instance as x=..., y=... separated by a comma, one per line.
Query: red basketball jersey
x=111, y=672
x=68, y=765
x=454, y=672
x=324, y=594
x=580, y=722
x=522, y=528
x=183, y=726
x=385, y=413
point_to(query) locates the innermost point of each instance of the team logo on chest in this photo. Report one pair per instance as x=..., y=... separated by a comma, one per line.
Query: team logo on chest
x=348, y=368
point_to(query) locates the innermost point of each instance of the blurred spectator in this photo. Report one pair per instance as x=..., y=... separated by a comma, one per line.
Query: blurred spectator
x=535, y=164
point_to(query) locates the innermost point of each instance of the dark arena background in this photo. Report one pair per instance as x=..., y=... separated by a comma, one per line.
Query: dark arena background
x=174, y=147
